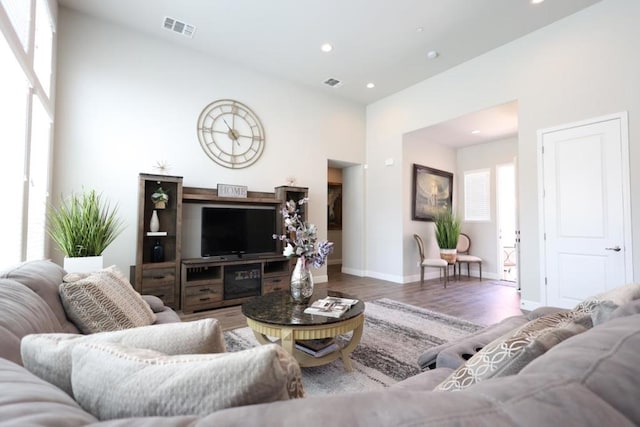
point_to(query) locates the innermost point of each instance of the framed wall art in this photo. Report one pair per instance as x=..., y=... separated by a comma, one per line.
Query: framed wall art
x=334, y=206
x=432, y=193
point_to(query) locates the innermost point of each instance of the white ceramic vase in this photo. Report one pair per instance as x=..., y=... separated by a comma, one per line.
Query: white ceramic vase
x=154, y=224
x=86, y=264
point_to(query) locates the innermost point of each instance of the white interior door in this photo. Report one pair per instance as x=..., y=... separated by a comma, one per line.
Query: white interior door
x=587, y=238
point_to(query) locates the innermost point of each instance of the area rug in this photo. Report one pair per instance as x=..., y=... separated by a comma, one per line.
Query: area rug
x=395, y=334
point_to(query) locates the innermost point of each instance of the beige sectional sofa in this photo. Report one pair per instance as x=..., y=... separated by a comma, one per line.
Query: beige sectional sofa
x=589, y=378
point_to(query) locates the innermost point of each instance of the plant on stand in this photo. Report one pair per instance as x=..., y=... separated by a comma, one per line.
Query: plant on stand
x=83, y=226
x=159, y=198
x=447, y=227
x=301, y=241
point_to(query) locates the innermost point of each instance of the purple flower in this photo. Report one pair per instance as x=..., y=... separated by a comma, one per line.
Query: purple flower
x=301, y=239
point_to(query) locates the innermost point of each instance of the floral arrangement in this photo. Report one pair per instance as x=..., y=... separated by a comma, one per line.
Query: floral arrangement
x=159, y=196
x=301, y=238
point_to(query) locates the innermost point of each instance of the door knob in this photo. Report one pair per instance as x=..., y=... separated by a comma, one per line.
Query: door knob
x=615, y=248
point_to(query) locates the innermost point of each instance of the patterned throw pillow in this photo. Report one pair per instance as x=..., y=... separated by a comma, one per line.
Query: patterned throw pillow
x=510, y=353
x=104, y=301
x=49, y=355
x=113, y=381
x=619, y=296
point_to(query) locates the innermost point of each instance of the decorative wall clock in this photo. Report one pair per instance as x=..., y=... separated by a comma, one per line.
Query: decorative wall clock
x=231, y=134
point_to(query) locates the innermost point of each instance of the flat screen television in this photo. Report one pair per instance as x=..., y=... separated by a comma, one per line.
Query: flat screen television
x=238, y=231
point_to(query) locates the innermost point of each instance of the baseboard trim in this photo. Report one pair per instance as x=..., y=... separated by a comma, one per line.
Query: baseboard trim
x=529, y=305
x=353, y=271
x=334, y=261
x=387, y=277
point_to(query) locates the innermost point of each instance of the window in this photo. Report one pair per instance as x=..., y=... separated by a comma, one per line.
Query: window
x=13, y=110
x=477, y=195
x=43, y=47
x=19, y=13
x=26, y=55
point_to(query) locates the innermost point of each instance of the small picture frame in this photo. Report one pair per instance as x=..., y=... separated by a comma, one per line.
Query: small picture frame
x=432, y=193
x=334, y=206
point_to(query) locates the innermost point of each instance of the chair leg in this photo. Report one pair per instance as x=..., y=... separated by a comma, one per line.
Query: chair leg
x=421, y=275
x=480, y=267
x=446, y=275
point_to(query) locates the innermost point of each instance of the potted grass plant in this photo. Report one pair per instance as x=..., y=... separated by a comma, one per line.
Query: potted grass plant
x=447, y=228
x=82, y=226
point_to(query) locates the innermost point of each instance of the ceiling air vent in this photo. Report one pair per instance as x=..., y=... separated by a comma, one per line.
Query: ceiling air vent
x=178, y=27
x=332, y=82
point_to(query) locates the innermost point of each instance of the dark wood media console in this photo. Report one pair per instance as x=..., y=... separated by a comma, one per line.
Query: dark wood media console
x=219, y=281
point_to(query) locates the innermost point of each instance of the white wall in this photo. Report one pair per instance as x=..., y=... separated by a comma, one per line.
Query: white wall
x=431, y=154
x=126, y=100
x=586, y=65
x=484, y=235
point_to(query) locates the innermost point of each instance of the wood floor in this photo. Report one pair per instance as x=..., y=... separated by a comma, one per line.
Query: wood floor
x=484, y=302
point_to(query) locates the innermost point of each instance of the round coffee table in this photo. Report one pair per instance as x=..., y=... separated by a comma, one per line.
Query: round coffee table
x=275, y=315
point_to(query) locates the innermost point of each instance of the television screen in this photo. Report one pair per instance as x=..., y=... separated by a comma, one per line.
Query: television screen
x=238, y=230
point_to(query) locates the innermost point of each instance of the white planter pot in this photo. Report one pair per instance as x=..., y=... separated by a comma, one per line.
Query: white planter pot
x=87, y=264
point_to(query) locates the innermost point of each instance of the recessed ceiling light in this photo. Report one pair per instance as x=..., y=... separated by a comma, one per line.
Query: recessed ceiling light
x=326, y=47
x=371, y=85
x=419, y=29
x=432, y=54
x=536, y=1
x=475, y=132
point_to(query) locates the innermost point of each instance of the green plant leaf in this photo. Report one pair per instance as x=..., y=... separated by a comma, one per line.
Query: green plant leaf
x=83, y=225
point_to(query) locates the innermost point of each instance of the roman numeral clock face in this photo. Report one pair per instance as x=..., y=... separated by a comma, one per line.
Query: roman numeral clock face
x=231, y=134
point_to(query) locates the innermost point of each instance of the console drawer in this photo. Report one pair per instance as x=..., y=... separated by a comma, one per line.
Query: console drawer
x=165, y=293
x=276, y=283
x=203, y=294
x=153, y=278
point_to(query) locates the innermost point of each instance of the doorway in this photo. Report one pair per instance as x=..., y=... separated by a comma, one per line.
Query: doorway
x=506, y=218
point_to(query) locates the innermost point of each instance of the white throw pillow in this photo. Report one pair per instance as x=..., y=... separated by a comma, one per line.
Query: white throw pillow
x=112, y=381
x=49, y=355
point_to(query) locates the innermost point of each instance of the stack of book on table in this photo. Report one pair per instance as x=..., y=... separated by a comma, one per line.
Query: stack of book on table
x=330, y=306
x=318, y=348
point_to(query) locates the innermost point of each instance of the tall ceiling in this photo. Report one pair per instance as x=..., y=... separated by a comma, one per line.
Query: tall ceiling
x=380, y=41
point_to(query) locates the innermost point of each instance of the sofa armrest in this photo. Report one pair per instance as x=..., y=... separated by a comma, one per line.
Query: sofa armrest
x=163, y=313
x=455, y=353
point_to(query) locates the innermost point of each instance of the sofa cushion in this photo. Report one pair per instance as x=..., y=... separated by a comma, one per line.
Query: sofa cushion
x=604, y=359
x=105, y=301
x=508, y=354
x=455, y=353
x=107, y=380
x=49, y=355
x=22, y=312
x=26, y=400
x=43, y=277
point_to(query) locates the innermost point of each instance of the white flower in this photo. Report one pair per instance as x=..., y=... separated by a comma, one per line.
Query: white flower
x=288, y=250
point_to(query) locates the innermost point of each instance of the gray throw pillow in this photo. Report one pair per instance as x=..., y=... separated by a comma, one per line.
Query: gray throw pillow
x=511, y=352
x=112, y=381
x=49, y=355
x=104, y=301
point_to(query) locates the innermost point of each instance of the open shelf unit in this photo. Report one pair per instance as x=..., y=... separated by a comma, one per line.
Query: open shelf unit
x=159, y=277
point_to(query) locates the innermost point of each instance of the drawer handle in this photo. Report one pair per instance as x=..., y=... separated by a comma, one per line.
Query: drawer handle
x=277, y=289
x=205, y=299
x=204, y=290
x=160, y=296
x=277, y=280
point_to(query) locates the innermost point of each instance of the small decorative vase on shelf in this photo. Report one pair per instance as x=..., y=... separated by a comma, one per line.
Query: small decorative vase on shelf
x=157, y=253
x=301, y=283
x=154, y=224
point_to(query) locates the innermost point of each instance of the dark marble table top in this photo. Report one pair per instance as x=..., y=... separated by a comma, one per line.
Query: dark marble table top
x=278, y=308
